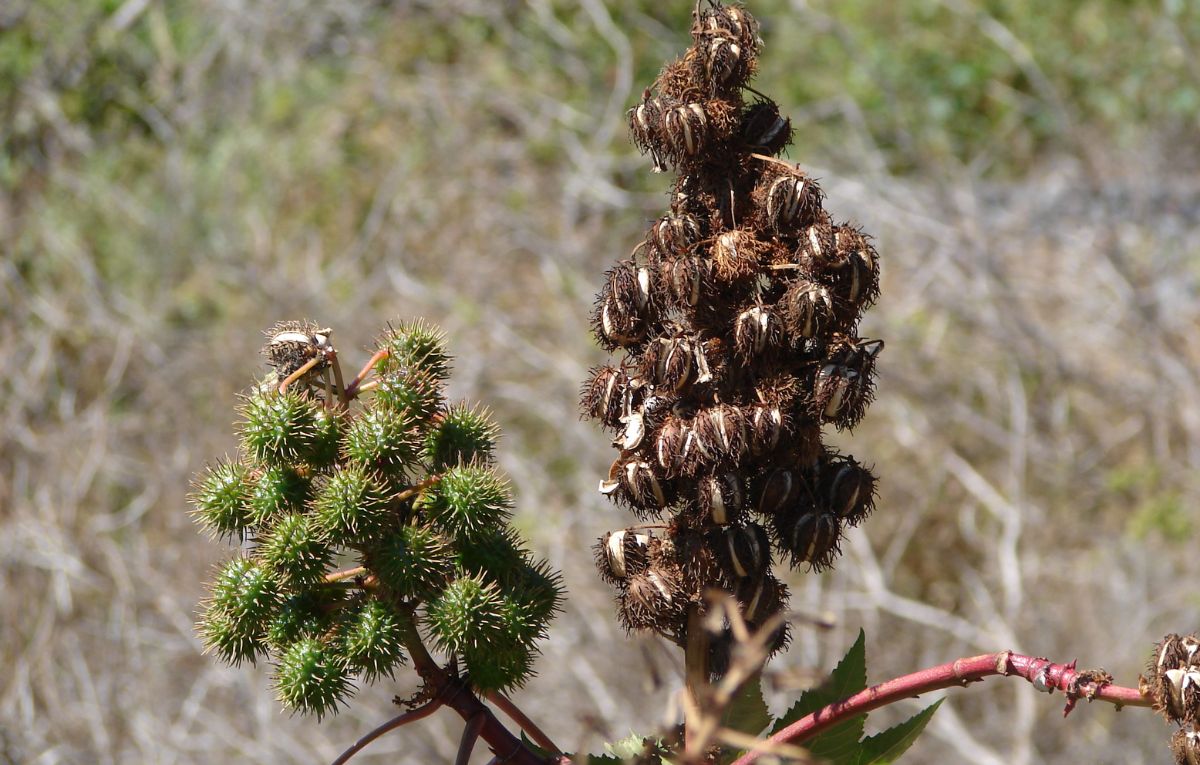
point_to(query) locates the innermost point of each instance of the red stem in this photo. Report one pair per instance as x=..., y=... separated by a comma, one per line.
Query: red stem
x=452, y=692
x=1043, y=673
x=520, y=718
x=390, y=725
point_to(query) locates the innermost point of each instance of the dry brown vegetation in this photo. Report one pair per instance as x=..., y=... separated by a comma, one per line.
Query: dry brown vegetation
x=1037, y=427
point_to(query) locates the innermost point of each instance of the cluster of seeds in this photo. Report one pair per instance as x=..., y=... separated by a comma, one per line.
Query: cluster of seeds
x=1173, y=681
x=736, y=319
x=369, y=511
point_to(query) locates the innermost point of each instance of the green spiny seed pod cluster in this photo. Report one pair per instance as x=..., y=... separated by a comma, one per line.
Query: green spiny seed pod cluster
x=736, y=321
x=371, y=516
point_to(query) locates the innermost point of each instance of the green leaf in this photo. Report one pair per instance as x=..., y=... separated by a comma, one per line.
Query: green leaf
x=886, y=747
x=839, y=744
x=748, y=713
x=847, y=679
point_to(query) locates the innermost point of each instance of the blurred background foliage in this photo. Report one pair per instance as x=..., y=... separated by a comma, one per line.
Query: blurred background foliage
x=176, y=176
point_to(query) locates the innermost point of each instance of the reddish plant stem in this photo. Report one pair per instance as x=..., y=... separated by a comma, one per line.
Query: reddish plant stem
x=1044, y=674
x=515, y=714
x=416, y=714
x=452, y=692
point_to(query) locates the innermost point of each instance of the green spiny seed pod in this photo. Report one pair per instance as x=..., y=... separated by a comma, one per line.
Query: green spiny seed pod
x=540, y=591
x=229, y=638
x=468, y=613
x=328, y=427
x=350, y=505
x=276, y=490
x=242, y=599
x=245, y=591
x=413, y=391
x=468, y=500
x=278, y=427
x=496, y=554
x=411, y=561
x=499, y=667
x=371, y=638
x=220, y=498
x=382, y=439
x=309, y=678
x=295, y=551
x=415, y=346
x=521, y=618
x=309, y=613
x=463, y=434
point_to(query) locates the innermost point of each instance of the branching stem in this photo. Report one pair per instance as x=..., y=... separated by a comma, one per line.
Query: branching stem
x=452, y=692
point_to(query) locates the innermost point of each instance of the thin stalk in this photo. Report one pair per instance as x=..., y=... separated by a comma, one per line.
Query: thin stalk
x=303, y=370
x=515, y=714
x=353, y=388
x=349, y=573
x=416, y=714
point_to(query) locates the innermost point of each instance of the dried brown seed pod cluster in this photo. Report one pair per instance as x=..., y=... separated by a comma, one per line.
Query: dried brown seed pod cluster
x=736, y=322
x=1173, y=680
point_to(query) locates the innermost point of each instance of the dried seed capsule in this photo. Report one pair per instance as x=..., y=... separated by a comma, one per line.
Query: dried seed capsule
x=1171, y=694
x=779, y=489
x=668, y=445
x=646, y=127
x=628, y=286
x=760, y=598
x=721, y=497
x=752, y=331
x=737, y=26
x=766, y=425
x=764, y=129
x=1185, y=747
x=1189, y=691
x=857, y=268
x=604, y=396
x=635, y=431
x=674, y=235
x=292, y=344
x=652, y=600
x=722, y=58
x=723, y=426
x=674, y=363
x=696, y=452
x=621, y=554
x=788, y=199
x=848, y=489
x=844, y=386
x=806, y=309
x=815, y=251
x=618, y=325
x=747, y=551
x=811, y=538
x=1175, y=651
x=642, y=489
x=684, y=280
x=687, y=129
x=736, y=255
